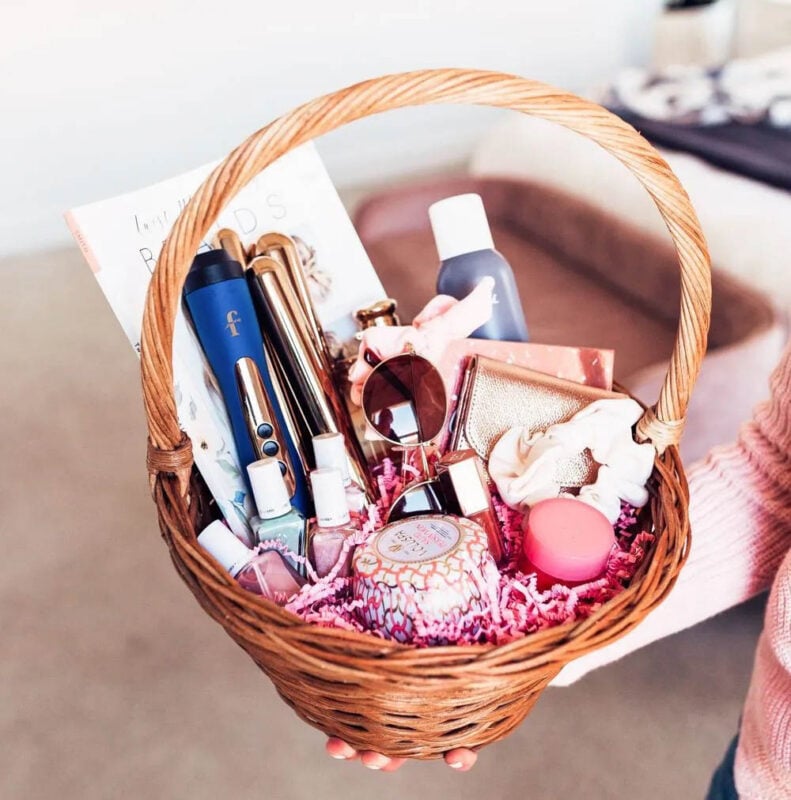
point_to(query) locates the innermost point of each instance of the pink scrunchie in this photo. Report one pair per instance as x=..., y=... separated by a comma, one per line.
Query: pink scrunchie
x=441, y=321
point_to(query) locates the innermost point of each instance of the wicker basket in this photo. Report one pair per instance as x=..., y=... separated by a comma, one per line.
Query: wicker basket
x=375, y=694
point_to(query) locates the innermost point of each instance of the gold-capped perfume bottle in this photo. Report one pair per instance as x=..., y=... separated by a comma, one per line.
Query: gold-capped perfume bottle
x=381, y=313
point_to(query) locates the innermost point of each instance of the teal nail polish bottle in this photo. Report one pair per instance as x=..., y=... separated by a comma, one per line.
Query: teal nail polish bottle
x=276, y=519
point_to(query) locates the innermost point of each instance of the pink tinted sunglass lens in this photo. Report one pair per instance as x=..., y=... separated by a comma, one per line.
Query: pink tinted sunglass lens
x=404, y=400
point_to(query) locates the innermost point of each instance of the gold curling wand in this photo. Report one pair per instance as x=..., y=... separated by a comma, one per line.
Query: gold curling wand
x=291, y=339
x=283, y=249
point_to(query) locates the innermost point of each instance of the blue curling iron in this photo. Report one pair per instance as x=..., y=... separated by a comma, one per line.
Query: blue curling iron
x=225, y=322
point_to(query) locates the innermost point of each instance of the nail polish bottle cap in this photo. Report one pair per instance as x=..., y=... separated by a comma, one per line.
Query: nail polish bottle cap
x=329, y=498
x=460, y=226
x=330, y=452
x=219, y=542
x=269, y=488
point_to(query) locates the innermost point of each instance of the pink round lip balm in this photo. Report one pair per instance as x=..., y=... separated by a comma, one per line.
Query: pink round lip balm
x=566, y=541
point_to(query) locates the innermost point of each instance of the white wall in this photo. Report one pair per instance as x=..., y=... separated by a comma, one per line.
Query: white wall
x=99, y=97
x=762, y=25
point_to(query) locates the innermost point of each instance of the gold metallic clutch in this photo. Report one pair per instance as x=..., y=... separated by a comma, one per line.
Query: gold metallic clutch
x=495, y=396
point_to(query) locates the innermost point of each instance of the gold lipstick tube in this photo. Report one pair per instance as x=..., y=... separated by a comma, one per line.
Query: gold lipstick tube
x=466, y=493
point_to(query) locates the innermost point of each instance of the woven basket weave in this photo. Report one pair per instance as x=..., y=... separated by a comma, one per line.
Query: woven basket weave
x=375, y=694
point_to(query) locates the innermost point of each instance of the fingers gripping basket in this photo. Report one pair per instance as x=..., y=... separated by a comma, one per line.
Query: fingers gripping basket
x=376, y=694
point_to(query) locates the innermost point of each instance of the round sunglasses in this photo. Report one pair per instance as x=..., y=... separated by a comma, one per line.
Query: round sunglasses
x=404, y=400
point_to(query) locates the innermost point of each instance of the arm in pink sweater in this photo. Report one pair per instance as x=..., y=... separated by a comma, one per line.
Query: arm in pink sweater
x=740, y=511
x=763, y=758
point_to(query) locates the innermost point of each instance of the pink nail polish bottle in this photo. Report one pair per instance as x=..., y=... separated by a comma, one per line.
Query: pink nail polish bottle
x=333, y=524
x=267, y=574
x=329, y=450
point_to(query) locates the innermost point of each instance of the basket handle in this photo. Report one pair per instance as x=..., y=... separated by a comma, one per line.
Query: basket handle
x=169, y=449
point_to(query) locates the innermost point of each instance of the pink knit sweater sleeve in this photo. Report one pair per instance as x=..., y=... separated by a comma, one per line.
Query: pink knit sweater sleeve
x=763, y=759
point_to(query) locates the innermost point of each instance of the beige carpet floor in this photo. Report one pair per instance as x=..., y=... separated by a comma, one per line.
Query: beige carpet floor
x=113, y=683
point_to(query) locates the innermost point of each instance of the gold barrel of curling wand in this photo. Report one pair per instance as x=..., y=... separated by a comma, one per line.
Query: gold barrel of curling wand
x=289, y=333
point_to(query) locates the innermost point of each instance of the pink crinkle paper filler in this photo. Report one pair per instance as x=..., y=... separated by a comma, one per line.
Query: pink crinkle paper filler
x=520, y=609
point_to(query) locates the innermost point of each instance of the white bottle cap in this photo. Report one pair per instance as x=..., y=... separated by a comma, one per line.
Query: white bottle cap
x=219, y=542
x=329, y=450
x=269, y=488
x=329, y=497
x=460, y=226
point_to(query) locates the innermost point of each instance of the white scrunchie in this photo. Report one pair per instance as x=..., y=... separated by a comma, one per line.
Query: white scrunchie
x=522, y=465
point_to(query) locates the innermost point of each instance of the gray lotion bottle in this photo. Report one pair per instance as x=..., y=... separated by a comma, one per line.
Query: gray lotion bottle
x=466, y=252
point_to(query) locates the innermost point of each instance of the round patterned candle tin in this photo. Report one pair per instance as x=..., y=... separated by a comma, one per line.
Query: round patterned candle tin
x=421, y=568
